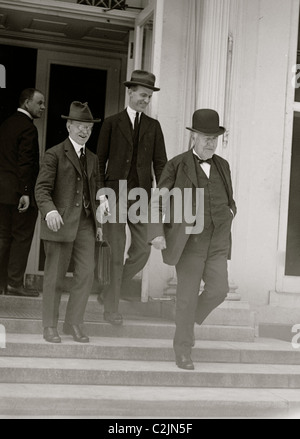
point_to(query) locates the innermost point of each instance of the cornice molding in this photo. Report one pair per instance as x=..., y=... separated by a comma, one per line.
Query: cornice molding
x=71, y=10
x=41, y=41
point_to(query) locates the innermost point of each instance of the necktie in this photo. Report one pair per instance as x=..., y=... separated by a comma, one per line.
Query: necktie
x=208, y=161
x=136, y=125
x=82, y=157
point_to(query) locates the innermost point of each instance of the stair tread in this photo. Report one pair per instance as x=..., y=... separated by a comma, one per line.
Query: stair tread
x=125, y=366
x=259, y=344
x=128, y=321
x=145, y=393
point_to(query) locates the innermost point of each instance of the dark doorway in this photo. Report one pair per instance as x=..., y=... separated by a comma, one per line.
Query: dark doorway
x=20, y=65
x=293, y=239
x=68, y=84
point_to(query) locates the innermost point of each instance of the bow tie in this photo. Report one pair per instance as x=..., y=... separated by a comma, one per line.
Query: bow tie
x=208, y=161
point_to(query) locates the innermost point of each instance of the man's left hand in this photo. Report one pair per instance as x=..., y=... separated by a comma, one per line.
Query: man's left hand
x=159, y=243
x=24, y=204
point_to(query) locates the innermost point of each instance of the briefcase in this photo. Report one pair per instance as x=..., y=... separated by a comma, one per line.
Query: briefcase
x=103, y=260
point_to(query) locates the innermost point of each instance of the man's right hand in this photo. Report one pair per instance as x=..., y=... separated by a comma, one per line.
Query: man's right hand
x=103, y=210
x=159, y=243
x=54, y=221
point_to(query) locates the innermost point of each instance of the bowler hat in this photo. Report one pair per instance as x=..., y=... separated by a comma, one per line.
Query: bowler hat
x=143, y=78
x=81, y=113
x=207, y=122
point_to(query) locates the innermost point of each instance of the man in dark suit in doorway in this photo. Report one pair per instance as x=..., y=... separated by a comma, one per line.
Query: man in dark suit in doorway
x=131, y=145
x=19, y=167
x=200, y=252
x=66, y=196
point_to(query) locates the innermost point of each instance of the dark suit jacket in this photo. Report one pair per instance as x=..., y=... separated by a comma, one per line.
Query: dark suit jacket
x=60, y=187
x=181, y=173
x=19, y=158
x=115, y=151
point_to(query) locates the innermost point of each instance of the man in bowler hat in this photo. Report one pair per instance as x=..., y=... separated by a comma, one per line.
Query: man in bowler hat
x=198, y=255
x=66, y=196
x=131, y=144
x=19, y=168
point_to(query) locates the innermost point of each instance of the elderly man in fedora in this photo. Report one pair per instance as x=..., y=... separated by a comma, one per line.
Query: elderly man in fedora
x=197, y=254
x=131, y=146
x=66, y=197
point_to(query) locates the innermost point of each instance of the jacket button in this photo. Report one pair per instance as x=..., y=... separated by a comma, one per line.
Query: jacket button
x=77, y=204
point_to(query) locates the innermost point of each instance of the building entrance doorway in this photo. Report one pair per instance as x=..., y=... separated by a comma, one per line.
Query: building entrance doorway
x=64, y=78
x=68, y=84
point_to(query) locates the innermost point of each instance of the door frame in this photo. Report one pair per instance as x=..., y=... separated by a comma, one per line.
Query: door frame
x=45, y=60
x=154, y=10
x=288, y=284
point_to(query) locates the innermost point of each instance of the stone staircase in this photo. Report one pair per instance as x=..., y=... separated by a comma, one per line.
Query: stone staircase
x=130, y=372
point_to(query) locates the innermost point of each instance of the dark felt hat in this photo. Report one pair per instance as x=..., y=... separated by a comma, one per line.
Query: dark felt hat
x=143, y=78
x=207, y=122
x=81, y=113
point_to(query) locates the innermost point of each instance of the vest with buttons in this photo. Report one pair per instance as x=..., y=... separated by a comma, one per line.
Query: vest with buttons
x=216, y=203
x=86, y=199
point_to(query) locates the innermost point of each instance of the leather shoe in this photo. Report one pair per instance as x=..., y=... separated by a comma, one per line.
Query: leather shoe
x=20, y=292
x=113, y=318
x=51, y=335
x=185, y=362
x=76, y=333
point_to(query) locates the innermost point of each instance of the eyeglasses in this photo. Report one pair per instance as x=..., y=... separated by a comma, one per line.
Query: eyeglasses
x=82, y=127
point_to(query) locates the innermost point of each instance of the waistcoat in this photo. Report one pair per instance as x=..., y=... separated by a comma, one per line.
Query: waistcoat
x=216, y=203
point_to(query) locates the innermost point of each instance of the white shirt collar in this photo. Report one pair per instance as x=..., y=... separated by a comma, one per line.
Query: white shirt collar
x=205, y=166
x=132, y=114
x=20, y=110
x=77, y=147
x=197, y=155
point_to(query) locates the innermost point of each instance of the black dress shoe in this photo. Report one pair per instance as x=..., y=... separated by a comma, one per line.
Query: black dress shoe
x=185, y=362
x=113, y=318
x=51, y=335
x=20, y=292
x=76, y=333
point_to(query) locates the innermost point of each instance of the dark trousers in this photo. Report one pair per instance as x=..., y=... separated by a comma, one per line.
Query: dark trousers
x=138, y=256
x=204, y=258
x=16, y=233
x=58, y=257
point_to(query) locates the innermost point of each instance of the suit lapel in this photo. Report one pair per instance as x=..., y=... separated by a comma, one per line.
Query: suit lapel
x=72, y=156
x=144, y=125
x=190, y=168
x=89, y=162
x=124, y=125
x=224, y=175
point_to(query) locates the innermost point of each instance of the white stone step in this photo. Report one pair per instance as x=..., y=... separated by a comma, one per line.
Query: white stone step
x=146, y=373
x=228, y=314
x=143, y=328
x=119, y=402
x=262, y=351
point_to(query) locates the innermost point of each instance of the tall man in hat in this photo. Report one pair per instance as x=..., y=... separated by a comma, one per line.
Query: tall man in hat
x=66, y=196
x=131, y=145
x=199, y=253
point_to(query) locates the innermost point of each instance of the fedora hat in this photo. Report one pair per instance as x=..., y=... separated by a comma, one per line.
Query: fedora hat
x=207, y=122
x=143, y=78
x=81, y=113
